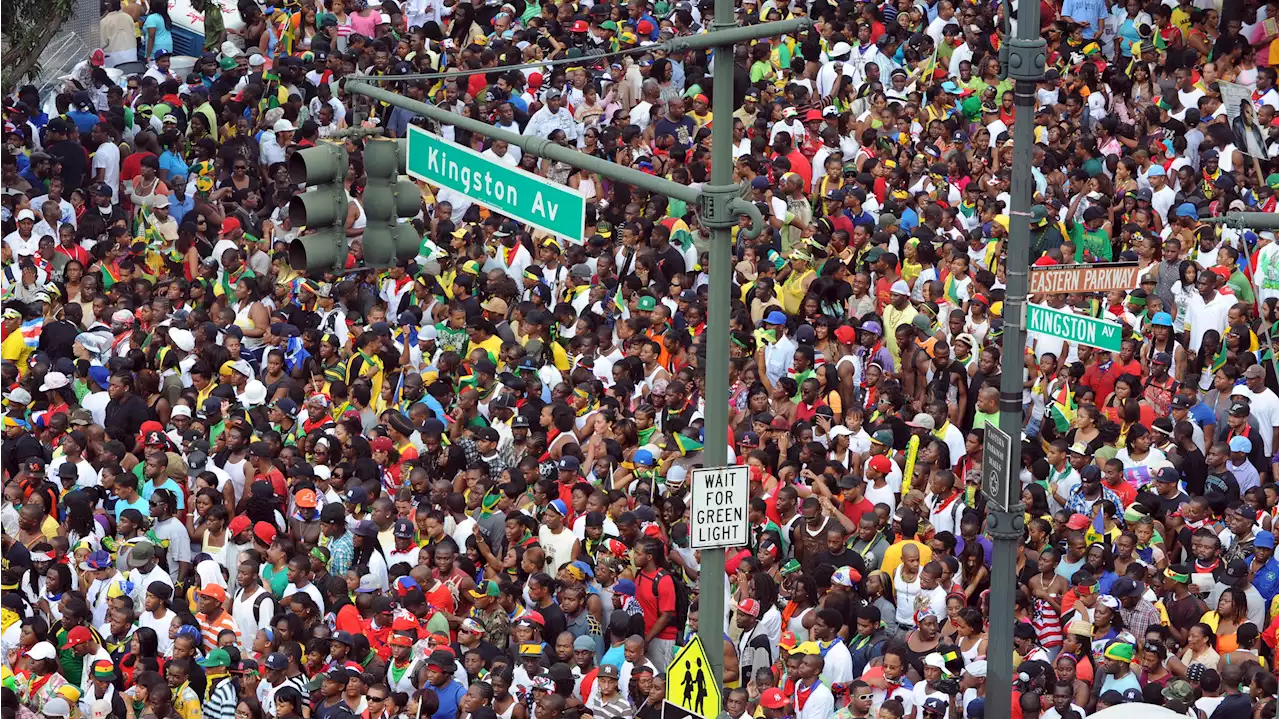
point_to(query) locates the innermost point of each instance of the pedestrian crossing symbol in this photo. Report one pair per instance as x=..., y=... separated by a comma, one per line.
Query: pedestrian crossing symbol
x=690, y=683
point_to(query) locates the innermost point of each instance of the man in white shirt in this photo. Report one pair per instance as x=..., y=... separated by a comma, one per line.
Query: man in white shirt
x=946, y=15
x=553, y=116
x=1207, y=308
x=23, y=241
x=1162, y=196
x=502, y=152
x=252, y=606
x=106, y=160
x=1263, y=404
x=274, y=142
x=650, y=95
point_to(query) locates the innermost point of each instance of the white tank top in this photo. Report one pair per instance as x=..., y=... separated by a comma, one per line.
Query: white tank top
x=1224, y=158
x=243, y=321
x=361, y=220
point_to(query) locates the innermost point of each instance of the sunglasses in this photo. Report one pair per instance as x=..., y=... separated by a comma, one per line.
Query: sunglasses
x=865, y=697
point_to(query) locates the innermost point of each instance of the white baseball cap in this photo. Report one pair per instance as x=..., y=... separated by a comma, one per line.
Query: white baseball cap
x=54, y=380
x=43, y=650
x=25, y=214
x=283, y=125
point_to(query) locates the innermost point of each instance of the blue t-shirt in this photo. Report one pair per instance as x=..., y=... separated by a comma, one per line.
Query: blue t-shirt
x=149, y=489
x=449, y=695
x=172, y=162
x=1201, y=414
x=164, y=38
x=141, y=504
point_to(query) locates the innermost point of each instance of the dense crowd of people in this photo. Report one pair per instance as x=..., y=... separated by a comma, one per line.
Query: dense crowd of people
x=458, y=487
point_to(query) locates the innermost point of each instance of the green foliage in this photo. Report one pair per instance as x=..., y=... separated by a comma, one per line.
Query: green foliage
x=28, y=26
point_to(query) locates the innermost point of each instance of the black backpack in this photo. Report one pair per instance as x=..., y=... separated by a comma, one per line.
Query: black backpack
x=682, y=597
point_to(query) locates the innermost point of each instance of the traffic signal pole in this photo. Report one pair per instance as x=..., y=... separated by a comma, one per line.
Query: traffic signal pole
x=1023, y=60
x=719, y=205
x=711, y=580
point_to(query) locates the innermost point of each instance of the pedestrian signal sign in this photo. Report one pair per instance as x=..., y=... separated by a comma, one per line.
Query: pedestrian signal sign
x=690, y=684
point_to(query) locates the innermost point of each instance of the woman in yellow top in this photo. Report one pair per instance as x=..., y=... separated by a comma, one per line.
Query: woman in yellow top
x=1231, y=613
x=796, y=278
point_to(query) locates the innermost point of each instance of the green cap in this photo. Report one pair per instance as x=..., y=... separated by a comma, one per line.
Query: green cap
x=216, y=658
x=791, y=567
x=662, y=8
x=646, y=304
x=1119, y=651
x=227, y=63
x=609, y=25
x=883, y=436
x=487, y=588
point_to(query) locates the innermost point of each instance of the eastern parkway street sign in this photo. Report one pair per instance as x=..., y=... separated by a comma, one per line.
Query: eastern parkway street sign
x=515, y=193
x=1072, y=279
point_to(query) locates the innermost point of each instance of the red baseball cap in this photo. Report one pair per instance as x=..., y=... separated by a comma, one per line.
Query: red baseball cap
x=881, y=463
x=229, y=224
x=77, y=636
x=846, y=335
x=383, y=444
x=813, y=116
x=239, y=523
x=214, y=591
x=264, y=532
x=1077, y=522
x=773, y=698
x=750, y=607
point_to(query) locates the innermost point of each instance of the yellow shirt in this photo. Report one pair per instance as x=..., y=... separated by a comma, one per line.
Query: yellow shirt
x=893, y=555
x=493, y=346
x=14, y=349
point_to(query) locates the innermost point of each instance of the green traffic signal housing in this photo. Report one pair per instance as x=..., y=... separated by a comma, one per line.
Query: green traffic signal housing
x=387, y=199
x=321, y=209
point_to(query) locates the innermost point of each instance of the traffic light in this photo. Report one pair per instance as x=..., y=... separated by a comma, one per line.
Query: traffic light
x=322, y=209
x=387, y=198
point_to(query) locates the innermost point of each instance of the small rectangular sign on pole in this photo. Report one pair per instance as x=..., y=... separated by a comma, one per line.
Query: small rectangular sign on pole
x=718, y=510
x=520, y=195
x=1081, y=329
x=1078, y=279
x=997, y=467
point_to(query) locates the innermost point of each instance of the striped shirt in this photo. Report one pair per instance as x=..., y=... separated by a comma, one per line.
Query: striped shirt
x=222, y=700
x=211, y=629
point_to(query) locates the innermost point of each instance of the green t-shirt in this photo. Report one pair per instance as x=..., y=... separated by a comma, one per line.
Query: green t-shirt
x=449, y=339
x=276, y=581
x=1241, y=286
x=1095, y=241
x=982, y=419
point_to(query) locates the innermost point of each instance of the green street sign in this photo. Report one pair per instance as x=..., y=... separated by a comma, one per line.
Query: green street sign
x=515, y=193
x=1103, y=334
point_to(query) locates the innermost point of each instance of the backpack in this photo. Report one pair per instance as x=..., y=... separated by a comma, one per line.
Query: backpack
x=682, y=597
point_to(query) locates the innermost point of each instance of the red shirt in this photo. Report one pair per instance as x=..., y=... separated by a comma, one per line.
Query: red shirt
x=655, y=603
x=1102, y=382
x=854, y=511
x=278, y=487
x=801, y=167
x=132, y=165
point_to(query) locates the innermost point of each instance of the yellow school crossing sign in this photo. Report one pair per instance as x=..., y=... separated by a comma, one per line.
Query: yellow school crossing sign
x=692, y=690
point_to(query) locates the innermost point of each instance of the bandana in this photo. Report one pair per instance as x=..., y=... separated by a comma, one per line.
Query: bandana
x=1175, y=576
